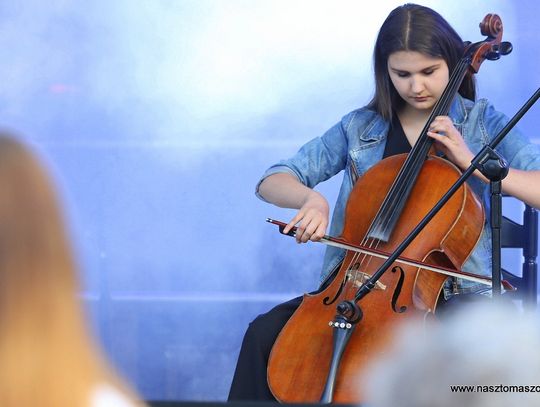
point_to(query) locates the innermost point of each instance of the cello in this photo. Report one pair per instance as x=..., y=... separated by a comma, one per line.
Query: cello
x=379, y=215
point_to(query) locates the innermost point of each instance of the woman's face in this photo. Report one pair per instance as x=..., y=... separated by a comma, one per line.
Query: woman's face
x=418, y=78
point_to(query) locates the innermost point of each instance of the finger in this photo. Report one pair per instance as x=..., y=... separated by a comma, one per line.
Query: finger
x=300, y=232
x=435, y=127
x=437, y=136
x=442, y=119
x=297, y=218
x=313, y=231
x=437, y=122
x=309, y=230
x=302, y=236
x=306, y=236
x=319, y=232
x=304, y=229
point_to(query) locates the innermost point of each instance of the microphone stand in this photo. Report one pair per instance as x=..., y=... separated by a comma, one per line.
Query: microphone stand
x=494, y=168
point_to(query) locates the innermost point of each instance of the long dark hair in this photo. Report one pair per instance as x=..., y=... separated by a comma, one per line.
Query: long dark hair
x=412, y=27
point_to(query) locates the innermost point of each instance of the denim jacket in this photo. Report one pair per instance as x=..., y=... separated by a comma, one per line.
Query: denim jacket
x=357, y=142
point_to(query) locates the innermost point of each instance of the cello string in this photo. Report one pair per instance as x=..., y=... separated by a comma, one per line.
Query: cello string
x=418, y=154
x=409, y=171
x=414, y=160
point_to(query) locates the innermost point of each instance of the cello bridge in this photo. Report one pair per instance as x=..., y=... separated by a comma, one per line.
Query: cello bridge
x=359, y=278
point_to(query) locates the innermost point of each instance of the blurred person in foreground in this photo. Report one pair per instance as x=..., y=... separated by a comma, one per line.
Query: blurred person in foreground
x=49, y=358
x=484, y=355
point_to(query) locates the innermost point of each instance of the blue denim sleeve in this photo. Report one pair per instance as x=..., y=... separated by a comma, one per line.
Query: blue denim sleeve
x=515, y=148
x=317, y=160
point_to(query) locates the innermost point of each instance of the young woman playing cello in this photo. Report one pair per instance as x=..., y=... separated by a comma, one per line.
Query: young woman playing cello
x=415, y=52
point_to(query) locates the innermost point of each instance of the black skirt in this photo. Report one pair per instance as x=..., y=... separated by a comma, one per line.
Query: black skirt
x=250, y=380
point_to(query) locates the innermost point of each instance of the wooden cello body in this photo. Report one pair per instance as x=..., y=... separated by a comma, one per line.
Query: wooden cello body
x=384, y=206
x=300, y=358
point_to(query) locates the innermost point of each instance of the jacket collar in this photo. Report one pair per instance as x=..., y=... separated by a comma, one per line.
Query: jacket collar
x=377, y=128
x=458, y=111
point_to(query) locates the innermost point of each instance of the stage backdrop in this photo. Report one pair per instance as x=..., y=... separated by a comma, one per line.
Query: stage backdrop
x=157, y=119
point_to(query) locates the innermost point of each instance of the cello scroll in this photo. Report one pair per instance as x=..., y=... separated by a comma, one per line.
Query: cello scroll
x=491, y=48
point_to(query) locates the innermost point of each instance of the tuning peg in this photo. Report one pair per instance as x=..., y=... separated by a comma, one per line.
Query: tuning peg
x=493, y=55
x=505, y=48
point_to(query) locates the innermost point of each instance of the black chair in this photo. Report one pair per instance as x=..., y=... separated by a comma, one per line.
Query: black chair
x=523, y=236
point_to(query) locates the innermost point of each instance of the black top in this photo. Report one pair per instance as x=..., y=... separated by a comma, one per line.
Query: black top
x=396, y=142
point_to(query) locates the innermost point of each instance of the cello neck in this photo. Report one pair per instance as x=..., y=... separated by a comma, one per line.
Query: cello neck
x=384, y=223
